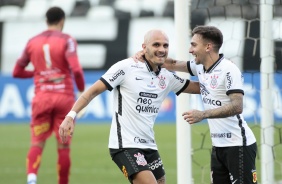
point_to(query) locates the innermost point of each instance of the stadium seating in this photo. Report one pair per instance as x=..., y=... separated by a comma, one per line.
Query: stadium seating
x=9, y=12
x=30, y=12
x=35, y=9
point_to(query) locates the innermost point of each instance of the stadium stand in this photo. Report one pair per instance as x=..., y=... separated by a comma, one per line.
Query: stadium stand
x=126, y=13
x=81, y=8
x=9, y=12
x=19, y=3
x=34, y=9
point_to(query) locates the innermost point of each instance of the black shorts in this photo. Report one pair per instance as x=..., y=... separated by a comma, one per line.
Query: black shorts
x=234, y=165
x=133, y=160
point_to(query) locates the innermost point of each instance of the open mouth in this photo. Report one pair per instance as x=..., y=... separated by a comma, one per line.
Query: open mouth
x=160, y=56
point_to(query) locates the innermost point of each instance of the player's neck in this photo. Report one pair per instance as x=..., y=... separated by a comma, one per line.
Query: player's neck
x=210, y=60
x=55, y=28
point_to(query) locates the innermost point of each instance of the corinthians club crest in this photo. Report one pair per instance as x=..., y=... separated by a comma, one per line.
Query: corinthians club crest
x=162, y=84
x=214, y=83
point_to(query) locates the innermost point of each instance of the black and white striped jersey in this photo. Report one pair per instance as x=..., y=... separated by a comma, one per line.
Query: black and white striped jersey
x=138, y=94
x=216, y=83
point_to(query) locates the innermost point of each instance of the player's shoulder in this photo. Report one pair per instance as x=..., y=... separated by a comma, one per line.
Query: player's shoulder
x=165, y=71
x=53, y=33
x=228, y=64
x=127, y=60
x=130, y=63
x=169, y=74
x=35, y=37
x=66, y=36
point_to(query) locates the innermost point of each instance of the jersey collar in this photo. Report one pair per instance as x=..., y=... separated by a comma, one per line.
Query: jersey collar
x=150, y=68
x=215, y=64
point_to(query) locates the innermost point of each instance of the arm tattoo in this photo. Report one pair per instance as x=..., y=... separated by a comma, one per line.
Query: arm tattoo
x=233, y=108
x=87, y=100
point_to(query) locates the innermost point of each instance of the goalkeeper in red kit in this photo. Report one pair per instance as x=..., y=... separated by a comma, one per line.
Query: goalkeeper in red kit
x=53, y=55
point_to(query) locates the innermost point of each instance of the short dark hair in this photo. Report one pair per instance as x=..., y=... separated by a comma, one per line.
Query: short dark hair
x=210, y=33
x=55, y=15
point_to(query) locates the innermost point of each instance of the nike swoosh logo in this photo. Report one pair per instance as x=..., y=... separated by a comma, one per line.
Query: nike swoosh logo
x=138, y=78
x=234, y=181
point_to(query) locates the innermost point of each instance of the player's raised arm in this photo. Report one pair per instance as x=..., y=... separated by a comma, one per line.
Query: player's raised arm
x=193, y=87
x=20, y=70
x=175, y=65
x=67, y=127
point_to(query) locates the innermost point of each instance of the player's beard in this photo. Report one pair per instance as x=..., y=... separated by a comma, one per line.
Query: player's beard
x=154, y=59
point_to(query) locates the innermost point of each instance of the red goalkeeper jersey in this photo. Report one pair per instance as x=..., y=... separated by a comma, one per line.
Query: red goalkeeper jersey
x=54, y=57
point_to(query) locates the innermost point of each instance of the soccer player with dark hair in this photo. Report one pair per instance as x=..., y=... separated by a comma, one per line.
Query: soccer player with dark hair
x=139, y=90
x=53, y=55
x=234, y=145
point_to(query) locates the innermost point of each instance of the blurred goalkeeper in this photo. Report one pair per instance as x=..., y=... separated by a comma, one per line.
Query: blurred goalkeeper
x=53, y=55
x=221, y=82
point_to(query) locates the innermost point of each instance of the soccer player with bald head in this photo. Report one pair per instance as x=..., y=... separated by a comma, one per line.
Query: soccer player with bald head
x=139, y=90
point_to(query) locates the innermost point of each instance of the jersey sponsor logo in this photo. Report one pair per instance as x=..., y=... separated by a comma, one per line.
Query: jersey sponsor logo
x=136, y=66
x=152, y=85
x=214, y=81
x=162, y=84
x=221, y=135
x=178, y=78
x=211, y=101
x=50, y=87
x=148, y=95
x=229, y=80
x=140, y=159
x=141, y=108
x=140, y=140
x=144, y=106
x=40, y=129
x=204, y=91
x=116, y=75
x=155, y=164
x=51, y=71
x=71, y=45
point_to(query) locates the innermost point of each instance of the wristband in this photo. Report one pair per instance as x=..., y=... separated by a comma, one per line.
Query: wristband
x=71, y=114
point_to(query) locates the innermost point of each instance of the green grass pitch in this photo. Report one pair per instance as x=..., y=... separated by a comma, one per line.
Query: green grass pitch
x=91, y=162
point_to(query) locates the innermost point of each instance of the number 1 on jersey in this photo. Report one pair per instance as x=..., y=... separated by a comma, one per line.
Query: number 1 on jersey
x=47, y=57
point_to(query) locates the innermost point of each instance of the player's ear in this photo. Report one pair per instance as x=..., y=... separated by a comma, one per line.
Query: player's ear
x=208, y=48
x=144, y=47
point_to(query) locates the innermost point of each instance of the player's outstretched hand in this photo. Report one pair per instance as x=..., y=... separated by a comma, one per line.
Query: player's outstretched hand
x=193, y=116
x=139, y=56
x=66, y=129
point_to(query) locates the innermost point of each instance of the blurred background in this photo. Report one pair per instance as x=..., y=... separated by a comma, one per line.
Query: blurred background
x=110, y=30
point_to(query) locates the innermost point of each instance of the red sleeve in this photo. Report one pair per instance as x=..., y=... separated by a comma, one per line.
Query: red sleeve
x=20, y=72
x=19, y=69
x=77, y=72
x=75, y=66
